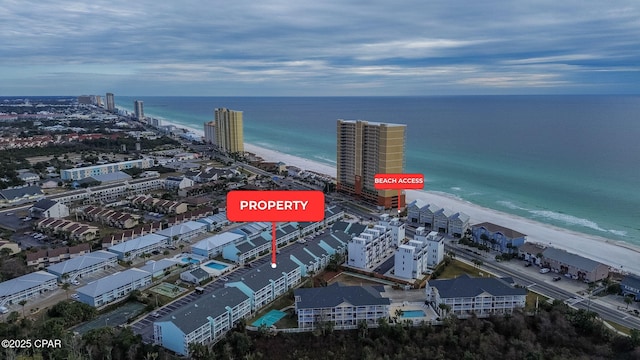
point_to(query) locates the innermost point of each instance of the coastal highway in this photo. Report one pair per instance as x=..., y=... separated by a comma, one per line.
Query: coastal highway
x=531, y=282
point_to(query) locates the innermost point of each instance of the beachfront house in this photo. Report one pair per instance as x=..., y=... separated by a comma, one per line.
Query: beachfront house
x=630, y=285
x=531, y=252
x=420, y=213
x=575, y=266
x=498, y=238
x=458, y=224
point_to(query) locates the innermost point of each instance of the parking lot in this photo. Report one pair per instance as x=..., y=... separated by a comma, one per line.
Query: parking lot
x=144, y=326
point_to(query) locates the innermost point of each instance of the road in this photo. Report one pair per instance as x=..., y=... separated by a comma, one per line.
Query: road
x=532, y=282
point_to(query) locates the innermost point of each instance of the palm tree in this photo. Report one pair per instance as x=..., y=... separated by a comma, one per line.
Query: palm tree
x=444, y=308
x=65, y=287
x=23, y=303
x=628, y=300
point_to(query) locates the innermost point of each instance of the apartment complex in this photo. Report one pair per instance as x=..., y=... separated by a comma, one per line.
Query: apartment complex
x=498, y=237
x=89, y=171
x=365, y=149
x=464, y=296
x=111, y=103
x=229, y=130
x=368, y=249
x=344, y=306
x=205, y=320
x=113, y=287
x=26, y=287
x=425, y=251
x=139, y=110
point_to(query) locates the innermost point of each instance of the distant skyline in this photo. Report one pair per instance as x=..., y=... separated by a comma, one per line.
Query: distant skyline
x=319, y=48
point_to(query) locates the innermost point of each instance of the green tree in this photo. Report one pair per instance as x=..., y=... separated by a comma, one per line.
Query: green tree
x=65, y=287
x=22, y=303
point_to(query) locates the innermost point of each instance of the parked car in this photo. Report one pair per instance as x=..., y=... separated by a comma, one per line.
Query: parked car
x=557, y=278
x=544, y=270
x=75, y=282
x=155, y=314
x=75, y=296
x=527, y=264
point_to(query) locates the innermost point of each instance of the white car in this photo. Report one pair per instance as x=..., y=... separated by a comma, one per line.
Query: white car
x=544, y=270
x=75, y=296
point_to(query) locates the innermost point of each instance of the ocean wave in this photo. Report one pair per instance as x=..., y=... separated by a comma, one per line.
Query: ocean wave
x=571, y=220
x=456, y=188
x=510, y=205
x=618, y=232
x=324, y=159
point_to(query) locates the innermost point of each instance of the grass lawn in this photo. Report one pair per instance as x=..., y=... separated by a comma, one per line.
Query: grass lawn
x=457, y=268
x=530, y=304
x=349, y=280
x=622, y=329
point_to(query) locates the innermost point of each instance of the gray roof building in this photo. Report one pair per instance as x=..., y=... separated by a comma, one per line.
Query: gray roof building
x=112, y=282
x=18, y=193
x=570, y=259
x=194, y=315
x=465, y=286
x=262, y=275
x=336, y=294
x=82, y=262
x=353, y=229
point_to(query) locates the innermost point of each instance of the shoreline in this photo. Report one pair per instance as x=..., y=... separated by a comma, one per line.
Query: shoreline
x=590, y=246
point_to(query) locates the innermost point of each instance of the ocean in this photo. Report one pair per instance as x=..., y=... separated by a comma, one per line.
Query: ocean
x=570, y=161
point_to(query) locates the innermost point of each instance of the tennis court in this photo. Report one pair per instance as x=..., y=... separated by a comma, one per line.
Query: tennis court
x=168, y=290
x=269, y=318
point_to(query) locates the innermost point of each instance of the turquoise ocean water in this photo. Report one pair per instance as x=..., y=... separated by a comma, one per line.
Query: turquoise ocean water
x=570, y=161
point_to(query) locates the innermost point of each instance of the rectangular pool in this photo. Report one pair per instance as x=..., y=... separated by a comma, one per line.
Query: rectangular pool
x=413, y=313
x=193, y=261
x=216, y=266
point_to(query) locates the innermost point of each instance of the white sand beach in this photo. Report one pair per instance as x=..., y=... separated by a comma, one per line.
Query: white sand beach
x=618, y=255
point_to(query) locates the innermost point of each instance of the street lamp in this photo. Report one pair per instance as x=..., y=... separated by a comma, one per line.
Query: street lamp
x=105, y=322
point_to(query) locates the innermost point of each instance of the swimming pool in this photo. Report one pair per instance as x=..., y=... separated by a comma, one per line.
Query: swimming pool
x=413, y=313
x=269, y=318
x=216, y=266
x=193, y=261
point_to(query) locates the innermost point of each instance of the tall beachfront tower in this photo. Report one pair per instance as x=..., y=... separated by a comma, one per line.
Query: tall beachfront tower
x=210, y=132
x=111, y=102
x=228, y=130
x=364, y=150
x=139, y=110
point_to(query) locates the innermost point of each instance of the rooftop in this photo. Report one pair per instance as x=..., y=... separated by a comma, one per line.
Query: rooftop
x=510, y=233
x=24, y=282
x=112, y=282
x=195, y=314
x=568, y=258
x=336, y=294
x=466, y=286
x=81, y=262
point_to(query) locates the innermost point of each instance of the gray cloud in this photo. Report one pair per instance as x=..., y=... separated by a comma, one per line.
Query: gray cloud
x=320, y=47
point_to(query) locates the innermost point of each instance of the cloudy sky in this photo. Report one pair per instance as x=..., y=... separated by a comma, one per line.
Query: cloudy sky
x=320, y=47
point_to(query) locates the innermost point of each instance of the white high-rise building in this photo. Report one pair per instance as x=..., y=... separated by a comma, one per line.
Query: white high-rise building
x=425, y=251
x=139, y=110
